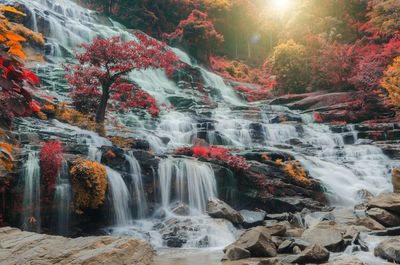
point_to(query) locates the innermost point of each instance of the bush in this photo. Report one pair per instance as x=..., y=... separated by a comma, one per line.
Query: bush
x=391, y=82
x=51, y=156
x=290, y=64
x=89, y=184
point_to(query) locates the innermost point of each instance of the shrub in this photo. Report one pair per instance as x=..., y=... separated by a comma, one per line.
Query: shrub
x=89, y=184
x=391, y=82
x=51, y=157
x=290, y=64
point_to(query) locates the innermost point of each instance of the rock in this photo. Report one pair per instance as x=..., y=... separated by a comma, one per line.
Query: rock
x=252, y=218
x=384, y=217
x=351, y=233
x=236, y=253
x=301, y=244
x=18, y=247
x=278, y=229
x=271, y=261
x=370, y=223
x=285, y=247
x=329, y=237
x=258, y=241
x=393, y=231
x=294, y=232
x=181, y=210
x=296, y=250
x=389, y=202
x=346, y=261
x=344, y=216
x=396, y=180
x=219, y=209
x=389, y=250
x=312, y=254
x=278, y=216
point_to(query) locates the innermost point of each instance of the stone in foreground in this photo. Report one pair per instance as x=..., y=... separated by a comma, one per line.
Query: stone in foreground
x=219, y=209
x=389, y=250
x=18, y=247
x=389, y=201
x=312, y=254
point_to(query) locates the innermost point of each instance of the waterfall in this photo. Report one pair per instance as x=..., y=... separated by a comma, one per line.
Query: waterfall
x=31, y=199
x=119, y=198
x=138, y=197
x=194, y=183
x=62, y=200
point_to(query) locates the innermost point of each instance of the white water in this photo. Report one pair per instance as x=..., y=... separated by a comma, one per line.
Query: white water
x=119, y=198
x=31, y=200
x=62, y=200
x=137, y=190
x=344, y=169
x=194, y=183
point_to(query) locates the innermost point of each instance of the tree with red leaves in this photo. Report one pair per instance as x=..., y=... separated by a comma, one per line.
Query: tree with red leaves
x=103, y=68
x=197, y=33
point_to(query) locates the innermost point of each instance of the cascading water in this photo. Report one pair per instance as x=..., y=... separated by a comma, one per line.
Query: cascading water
x=62, y=200
x=194, y=183
x=31, y=199
x=343, y=167
x=119, y=198
x=137, y=190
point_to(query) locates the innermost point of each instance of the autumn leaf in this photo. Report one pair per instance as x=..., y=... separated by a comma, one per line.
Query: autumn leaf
x=12, y=9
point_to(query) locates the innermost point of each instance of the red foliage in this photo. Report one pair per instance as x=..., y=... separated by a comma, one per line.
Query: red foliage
x=105, y=63
x=197, y=32
x=16, y=85
x=51, y=157
x=251, y=94
x=216, y=153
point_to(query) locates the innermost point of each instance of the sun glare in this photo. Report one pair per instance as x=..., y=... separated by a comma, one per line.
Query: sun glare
x=281, y=5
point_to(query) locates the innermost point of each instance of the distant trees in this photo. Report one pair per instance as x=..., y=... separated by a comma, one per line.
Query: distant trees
x=197, y=33
x=103, y=67
x=385, y=16
x=290, y=64
x=391, y=82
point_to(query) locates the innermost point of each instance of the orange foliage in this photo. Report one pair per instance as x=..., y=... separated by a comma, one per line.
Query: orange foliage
x=89, y=184
x=121, y=141
x=6, y=157
x=295, y=173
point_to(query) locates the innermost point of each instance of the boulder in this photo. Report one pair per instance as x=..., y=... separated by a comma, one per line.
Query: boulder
x=297, y=232
x=285, y=246
x=296, y=250
x=393, y=231
x=344, y=216
x=252, y=218
x=219, y=209
x=396, y=180
x=258, y=241
x=370, y=223
x=389, y=250
x=327, y=237
x=389, y=201
x=236, y=253
x=312, y=254
x=384, y=217
x=346, y=261
x=18, y=247
x=278, y=229
x=181, y=209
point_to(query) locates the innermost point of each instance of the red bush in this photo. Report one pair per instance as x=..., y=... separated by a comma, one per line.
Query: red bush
x=51, y=157
x=215, y=152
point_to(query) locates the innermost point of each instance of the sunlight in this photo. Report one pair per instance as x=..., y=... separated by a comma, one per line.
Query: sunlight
x=281, y=5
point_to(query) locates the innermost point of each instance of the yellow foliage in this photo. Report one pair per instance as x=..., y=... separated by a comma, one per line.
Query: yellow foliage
x=295, y=173
x=73, y=117
x=121, y=141
x=10, y=33
x=6, y=157
x=89, y=184
x=391, y=82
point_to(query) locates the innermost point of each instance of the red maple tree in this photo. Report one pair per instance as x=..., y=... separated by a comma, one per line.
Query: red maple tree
x=103, y=68
x=51, y=157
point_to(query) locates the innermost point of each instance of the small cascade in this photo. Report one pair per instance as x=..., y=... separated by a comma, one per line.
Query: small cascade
x=119, y=198
x=31, y=200
x=139, y=199
x=62, y=200
x=186, y=181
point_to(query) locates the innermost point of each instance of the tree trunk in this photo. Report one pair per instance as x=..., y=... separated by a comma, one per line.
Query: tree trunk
x=101, y=110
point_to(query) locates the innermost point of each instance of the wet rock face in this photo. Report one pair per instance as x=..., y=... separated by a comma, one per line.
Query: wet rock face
x=19, y=247
x=389, y=250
